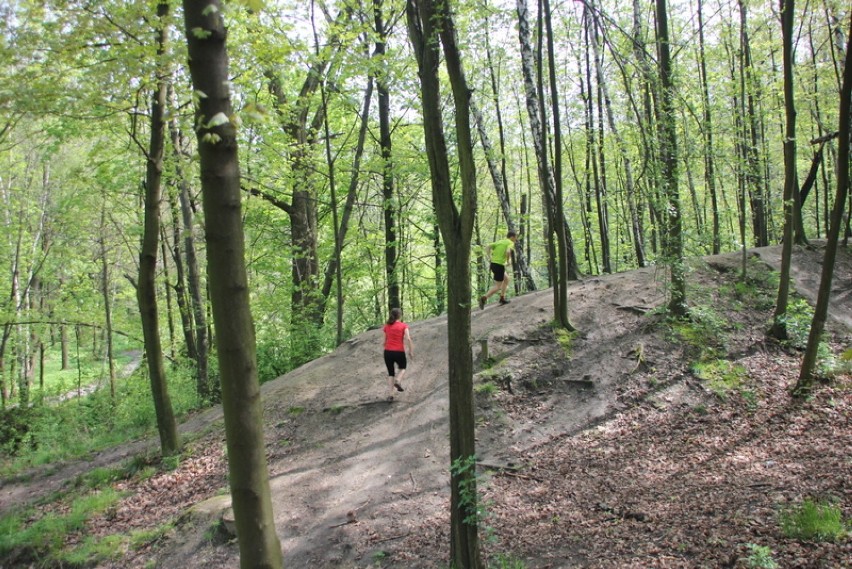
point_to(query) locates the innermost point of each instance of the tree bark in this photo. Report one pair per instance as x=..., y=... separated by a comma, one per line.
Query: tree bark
x=105, y=285
x=427, y=21
x=498, y=179
x=709, y=149
x=843, y=157
x=385, y=145
x=778, y=329
x=560, y=257
x=668, y=157
x=147, y=289
x=229, y=292
x=194, y=277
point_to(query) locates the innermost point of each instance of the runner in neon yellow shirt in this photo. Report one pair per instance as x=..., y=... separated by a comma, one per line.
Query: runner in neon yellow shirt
x=500, y=253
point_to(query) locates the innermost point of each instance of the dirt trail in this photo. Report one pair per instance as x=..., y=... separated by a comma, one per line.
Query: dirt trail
x=337, y=447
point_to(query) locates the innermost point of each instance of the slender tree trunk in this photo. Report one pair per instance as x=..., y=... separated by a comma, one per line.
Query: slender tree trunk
x=105, y=287
x=778, y=328
x=179, y=286
x=389, y=202
x=709, y=148
x=638, y=245
x=843, y=161
x=147, y=290
x=559, y=257
x=194, y=281
x=332, y=271
x=498, y=179
x=170, y=316
x=426, y=22
x=63, y=346
x=669, y=161
x=229, y=291
x=332, y=184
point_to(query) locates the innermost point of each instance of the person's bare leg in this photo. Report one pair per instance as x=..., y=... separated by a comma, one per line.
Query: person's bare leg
x=493, y=289
x=399, y=377
x=504, y=287
x=392, y=389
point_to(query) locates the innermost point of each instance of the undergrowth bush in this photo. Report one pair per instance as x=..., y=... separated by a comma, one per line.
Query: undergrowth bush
x=48, y=433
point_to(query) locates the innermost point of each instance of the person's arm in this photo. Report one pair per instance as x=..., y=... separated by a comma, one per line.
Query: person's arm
x=410, y=343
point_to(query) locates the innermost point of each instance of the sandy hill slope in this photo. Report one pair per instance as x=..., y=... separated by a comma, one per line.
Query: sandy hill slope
x=358, y=480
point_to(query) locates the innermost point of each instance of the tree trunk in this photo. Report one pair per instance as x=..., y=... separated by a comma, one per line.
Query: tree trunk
x=388, y=205
x=426, y=22
x=194, y=281
x=179, y=286
x=668, y=158
x=778, y=329
x=559, y=259
x=229, y=291
x=750, y=136
x=520, y=263
x=147, y=289
x=333, y=268
x=107, y=302
x=638, y=244
x=709, y=149
x=843, y=158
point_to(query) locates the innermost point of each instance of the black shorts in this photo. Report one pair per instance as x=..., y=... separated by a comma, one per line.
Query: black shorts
x=397, y=358
x=499, y=272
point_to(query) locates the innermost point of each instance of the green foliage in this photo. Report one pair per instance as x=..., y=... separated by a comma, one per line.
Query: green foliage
x=464, y=468
x=565, y=338
x=721, y=376
x=81, y=425
x=488, y=388
x=798, y=320
x=814, y=521
x=760, y=557
x=45, y=537
x=704, y=330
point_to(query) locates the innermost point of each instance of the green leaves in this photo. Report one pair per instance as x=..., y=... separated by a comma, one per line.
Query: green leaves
x=201, y=33
x=218, y=120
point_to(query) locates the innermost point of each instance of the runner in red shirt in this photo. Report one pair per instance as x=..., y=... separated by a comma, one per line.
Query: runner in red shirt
x=396, y=336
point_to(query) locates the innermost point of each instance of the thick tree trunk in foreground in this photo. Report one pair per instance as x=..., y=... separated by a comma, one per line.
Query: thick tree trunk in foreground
x=235, y=345
x=425, y=19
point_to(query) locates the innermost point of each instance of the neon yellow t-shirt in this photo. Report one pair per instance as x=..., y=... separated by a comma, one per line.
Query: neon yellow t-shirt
x=499, y=248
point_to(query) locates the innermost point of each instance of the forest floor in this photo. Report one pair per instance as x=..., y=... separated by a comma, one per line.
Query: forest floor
x=610, y=452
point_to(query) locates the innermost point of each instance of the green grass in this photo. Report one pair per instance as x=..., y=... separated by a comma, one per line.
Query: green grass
x=814, y=521
x=722, y=377
x=45, y=537
x=486, y=388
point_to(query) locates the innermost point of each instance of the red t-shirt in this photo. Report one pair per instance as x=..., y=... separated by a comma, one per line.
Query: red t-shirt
x=394, y=333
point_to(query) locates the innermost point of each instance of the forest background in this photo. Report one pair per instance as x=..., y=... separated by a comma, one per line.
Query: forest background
x=337, y=207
